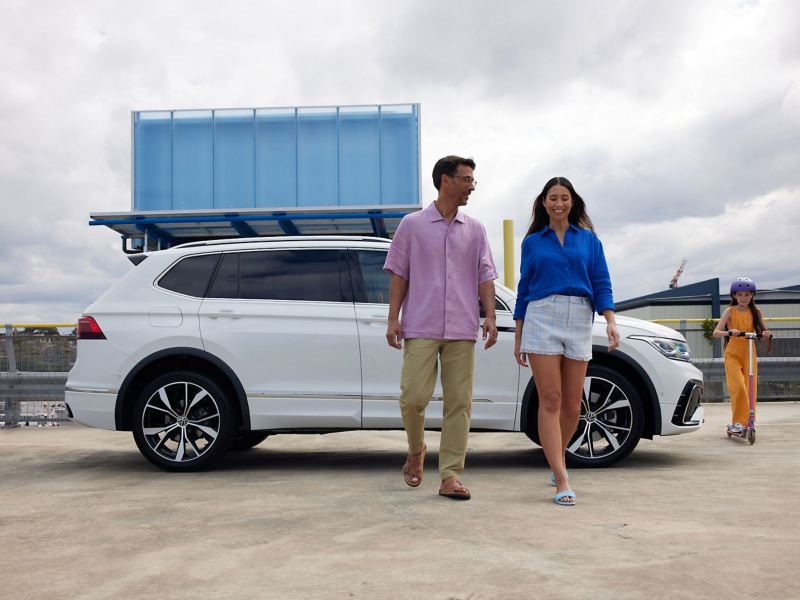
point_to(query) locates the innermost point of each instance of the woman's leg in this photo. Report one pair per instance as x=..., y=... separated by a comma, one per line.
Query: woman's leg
x=547, y=376
x=573, y=376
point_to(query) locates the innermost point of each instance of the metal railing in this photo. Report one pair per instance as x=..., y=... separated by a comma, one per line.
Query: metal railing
x=34, y=363
x=785, y=343
x=36, y=357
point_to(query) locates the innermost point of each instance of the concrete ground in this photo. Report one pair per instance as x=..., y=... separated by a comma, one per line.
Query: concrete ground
x=83, y=515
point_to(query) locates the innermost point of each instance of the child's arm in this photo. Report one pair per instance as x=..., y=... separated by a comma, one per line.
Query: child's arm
x=766, y=333
x=721, y=330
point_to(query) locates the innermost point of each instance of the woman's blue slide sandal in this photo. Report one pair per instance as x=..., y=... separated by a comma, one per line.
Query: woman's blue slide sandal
x=553, y=478
x=566, y=498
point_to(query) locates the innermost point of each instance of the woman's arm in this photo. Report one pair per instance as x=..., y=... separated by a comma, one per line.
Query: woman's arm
x=518, y=355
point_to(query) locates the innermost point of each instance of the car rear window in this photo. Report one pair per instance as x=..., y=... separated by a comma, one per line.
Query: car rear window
x=191, y=275
x=312, y=275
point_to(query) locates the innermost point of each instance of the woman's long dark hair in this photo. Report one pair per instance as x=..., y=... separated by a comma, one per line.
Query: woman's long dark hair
x=577, y=214
x=758, y=320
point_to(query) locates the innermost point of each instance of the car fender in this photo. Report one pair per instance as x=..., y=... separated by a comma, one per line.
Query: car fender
x=124, y=403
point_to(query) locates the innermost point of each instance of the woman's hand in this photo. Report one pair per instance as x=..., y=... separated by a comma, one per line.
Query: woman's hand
x=611, y=329
x=613, y=336
x=520, y=357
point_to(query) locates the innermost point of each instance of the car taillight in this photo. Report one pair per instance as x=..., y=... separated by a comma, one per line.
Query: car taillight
x=88, y=329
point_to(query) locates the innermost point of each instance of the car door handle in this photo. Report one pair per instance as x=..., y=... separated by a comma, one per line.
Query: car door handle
x=224, y=314
x=374, y=319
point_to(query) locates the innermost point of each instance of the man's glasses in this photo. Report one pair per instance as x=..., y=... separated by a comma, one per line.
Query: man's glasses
x=467, y=178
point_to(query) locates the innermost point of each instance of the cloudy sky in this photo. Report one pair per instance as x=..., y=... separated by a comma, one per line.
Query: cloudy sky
x=678, y=122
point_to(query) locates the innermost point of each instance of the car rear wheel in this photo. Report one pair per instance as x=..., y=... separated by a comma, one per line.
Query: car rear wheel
x=183, y=422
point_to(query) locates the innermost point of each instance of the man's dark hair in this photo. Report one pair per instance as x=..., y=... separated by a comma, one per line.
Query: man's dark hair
x=448, y=166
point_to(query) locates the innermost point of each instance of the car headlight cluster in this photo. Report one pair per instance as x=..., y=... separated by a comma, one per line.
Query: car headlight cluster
x=674, y=349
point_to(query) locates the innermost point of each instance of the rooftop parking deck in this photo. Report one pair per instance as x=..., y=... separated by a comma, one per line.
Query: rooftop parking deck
x=692, y=516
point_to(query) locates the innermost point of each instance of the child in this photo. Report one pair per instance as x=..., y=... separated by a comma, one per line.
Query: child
x=742, y=315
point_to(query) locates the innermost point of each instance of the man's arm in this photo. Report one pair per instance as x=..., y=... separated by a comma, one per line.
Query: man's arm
x=398, y=287
x=486, y=294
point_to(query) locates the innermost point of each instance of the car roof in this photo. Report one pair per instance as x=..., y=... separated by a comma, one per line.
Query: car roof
x=271, y=242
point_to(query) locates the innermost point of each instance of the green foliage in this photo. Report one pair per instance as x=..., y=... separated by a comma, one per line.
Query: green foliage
x=708, y=330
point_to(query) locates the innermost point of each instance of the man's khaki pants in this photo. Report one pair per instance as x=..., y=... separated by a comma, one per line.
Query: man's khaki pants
x=418, y=379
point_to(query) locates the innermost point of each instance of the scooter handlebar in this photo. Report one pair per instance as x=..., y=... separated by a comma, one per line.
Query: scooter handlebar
x=747, y=334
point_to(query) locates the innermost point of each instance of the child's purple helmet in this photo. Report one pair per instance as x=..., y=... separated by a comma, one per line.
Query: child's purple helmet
x=743, y=284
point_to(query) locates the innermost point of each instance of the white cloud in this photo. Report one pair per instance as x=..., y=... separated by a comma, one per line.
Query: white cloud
x=669, y=118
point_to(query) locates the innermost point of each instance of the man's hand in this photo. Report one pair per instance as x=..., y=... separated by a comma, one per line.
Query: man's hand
x=394, y=335
x=489, y=332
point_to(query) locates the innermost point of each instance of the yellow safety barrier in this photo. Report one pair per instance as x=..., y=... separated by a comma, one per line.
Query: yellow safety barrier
x=778, y=319
x=38, y=325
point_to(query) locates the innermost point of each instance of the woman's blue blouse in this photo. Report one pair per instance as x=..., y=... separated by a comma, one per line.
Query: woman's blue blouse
x=578, y=268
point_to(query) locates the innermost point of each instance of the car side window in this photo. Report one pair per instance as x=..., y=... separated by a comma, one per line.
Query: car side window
x=311, y=275
x=370, y=281
x=191, y=275
x=226, y=281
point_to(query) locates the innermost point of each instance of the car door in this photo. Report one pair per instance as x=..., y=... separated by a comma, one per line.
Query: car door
x=494, y=400
x=283, y=320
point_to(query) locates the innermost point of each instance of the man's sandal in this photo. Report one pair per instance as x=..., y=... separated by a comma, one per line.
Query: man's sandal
x=412, y=475
x=459, y=492
x=566, y=498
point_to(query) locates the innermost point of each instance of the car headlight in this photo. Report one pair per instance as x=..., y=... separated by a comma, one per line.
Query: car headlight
x=674, y=349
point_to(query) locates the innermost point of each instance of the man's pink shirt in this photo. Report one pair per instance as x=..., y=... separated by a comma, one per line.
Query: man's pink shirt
x=444, y=263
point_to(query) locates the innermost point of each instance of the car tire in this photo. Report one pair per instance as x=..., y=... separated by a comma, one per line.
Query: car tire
x=248, y=440
x=611, y=421
x=182, y=421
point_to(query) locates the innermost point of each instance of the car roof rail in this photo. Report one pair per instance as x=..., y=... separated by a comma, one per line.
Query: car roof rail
x=282, y=238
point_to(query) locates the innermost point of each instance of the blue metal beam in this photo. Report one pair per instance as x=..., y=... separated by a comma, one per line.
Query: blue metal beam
x=155, y=233
x=221, y=219
x=242, y=228
x=379, y=227
x=288, y=227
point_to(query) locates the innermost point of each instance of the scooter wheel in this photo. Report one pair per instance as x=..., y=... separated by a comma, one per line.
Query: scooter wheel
x=751, y=436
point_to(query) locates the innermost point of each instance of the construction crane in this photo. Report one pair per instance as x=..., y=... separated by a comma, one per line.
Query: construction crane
x=673, y=283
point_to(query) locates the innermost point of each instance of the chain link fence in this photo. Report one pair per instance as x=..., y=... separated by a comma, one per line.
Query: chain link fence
x=34, y=362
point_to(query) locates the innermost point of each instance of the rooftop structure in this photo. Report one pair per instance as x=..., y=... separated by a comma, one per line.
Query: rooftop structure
x=220, y=173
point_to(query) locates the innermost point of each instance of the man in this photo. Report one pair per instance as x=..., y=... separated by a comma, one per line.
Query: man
x=441, y=263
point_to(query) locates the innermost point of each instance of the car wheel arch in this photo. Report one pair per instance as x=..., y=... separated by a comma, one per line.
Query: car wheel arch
x=626, y=366
x=171, y=359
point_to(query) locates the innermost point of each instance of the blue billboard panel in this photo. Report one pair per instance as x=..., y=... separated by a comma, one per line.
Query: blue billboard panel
x=192, y=160
x=272, y=158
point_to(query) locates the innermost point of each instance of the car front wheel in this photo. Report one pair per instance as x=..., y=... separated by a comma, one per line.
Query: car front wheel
x=183, y=422
x=611, y=420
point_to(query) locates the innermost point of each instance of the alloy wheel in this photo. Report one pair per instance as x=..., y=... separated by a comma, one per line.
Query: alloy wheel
x=606, y=422
x=181, y=421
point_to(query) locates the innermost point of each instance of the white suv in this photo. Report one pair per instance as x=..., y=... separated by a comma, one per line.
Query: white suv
x=215, y=345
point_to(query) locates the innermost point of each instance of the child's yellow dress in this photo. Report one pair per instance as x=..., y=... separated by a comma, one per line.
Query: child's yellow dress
x=737, y=369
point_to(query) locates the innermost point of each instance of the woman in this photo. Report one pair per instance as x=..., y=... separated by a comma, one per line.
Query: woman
x=564, y=278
